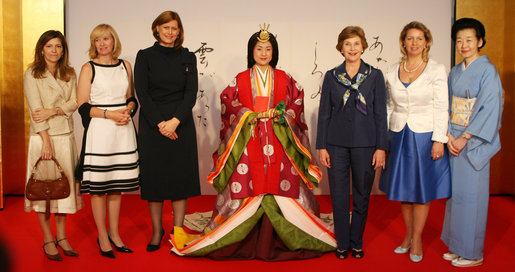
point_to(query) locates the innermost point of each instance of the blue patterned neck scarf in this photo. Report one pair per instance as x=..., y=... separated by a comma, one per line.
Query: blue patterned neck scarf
x=361, y=104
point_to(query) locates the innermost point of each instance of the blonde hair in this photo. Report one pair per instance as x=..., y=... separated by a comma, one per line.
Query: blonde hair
x=100, y=30
x=427, y=35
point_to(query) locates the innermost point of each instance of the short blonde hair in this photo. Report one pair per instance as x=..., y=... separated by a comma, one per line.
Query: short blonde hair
x=100, y=30
x=427, y=35
x=349, y=32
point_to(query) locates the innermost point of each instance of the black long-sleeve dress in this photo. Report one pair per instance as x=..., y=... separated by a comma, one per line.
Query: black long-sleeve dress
x=166, y=83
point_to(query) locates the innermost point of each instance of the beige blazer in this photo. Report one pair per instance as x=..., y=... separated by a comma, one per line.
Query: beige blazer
x=48, y=92
x=423, y=105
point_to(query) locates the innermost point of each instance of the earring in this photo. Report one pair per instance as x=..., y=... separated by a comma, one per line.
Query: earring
x=157, y=34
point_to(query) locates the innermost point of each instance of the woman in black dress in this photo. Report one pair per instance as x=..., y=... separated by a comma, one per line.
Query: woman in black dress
x=165, y=77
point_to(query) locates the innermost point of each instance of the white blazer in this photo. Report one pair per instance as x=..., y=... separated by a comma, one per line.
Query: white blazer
x=423, y=105
x=48, y=92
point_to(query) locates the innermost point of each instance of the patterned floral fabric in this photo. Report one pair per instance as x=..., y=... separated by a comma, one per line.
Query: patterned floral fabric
x=461, y=109
x=263, y=169
x=236, y=115
x=361, y=104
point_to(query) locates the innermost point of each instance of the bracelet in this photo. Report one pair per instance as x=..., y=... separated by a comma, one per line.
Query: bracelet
x=105, y=117
x=465, y=136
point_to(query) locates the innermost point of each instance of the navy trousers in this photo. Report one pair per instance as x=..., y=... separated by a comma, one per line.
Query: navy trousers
x=343, y=159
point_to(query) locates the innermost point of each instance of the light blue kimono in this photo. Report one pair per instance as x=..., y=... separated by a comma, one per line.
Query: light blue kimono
x=466, y=211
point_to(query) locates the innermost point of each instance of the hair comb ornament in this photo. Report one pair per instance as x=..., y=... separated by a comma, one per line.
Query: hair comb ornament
x=264, y=35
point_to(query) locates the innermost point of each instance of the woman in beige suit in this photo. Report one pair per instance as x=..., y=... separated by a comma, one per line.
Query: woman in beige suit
x=50, y=90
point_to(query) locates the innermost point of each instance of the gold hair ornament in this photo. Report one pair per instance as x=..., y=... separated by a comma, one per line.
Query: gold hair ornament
x=264, y=35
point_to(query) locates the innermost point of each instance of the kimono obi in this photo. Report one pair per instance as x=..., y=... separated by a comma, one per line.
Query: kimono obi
x=461, y=109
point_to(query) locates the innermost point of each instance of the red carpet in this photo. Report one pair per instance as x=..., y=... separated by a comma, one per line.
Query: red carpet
x=21, y=234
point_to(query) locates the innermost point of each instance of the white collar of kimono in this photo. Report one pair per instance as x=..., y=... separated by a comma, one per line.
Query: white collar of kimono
x=263, y=81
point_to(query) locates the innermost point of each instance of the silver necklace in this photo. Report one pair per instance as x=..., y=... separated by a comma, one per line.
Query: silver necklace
x=416, y=68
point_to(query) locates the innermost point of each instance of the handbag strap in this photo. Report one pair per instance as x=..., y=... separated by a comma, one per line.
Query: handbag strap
x=41, y=159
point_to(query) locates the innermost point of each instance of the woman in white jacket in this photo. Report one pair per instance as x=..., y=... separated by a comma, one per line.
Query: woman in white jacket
x=417, y=169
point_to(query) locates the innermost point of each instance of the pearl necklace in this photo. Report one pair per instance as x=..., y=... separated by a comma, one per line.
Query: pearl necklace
x=416, y=68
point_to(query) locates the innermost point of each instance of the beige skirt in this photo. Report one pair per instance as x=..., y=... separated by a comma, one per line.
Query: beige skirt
x=65, y=151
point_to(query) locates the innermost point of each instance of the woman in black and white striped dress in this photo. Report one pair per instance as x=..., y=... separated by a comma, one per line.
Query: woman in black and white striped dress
x=109, y=156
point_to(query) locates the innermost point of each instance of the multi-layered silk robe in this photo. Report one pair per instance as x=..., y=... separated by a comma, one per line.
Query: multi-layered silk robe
x=263, y=169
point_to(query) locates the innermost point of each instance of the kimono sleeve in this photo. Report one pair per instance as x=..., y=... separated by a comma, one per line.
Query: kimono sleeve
x=486, y=117
x=231, y=108
x=295, y=104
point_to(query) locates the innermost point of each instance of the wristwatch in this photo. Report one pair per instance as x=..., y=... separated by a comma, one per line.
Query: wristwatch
x=465, y=136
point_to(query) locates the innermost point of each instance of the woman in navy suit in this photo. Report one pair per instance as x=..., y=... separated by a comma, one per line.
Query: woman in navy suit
x=352, y=134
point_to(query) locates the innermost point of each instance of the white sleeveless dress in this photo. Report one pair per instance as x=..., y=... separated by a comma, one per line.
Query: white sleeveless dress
x=111, y=157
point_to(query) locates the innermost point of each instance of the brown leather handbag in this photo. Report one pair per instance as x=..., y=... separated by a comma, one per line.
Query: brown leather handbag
x=47, y=189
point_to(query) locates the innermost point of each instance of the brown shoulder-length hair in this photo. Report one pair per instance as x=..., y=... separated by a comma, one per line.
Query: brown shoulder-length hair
x=349, y=32
x=165, y=17
x=98, y=31
x=427, y=35
x=64, y=71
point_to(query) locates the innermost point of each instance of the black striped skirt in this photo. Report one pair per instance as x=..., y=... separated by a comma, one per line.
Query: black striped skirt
x=111, y=161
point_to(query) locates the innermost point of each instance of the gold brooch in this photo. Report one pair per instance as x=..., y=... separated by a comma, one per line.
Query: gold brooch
x=264, y=35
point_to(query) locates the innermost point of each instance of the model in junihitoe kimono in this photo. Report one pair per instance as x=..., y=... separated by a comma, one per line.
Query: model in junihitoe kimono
x=476, y=107
x=263, y=170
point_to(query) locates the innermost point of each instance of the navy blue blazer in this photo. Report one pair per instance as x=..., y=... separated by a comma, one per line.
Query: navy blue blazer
x=346, y=126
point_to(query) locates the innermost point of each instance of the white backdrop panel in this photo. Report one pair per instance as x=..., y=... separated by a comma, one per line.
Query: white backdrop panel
x=306, y=31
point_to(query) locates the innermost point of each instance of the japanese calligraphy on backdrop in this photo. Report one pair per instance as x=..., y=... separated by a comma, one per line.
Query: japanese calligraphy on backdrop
x=218, y=32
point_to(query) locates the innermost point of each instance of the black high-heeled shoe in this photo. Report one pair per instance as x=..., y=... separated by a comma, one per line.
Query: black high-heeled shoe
x=151, y=247
x=357, y=253
x=342, y=254
x=123, y=249
x=108, y=254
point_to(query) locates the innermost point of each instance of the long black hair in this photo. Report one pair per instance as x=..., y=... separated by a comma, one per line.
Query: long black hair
x=250, y=50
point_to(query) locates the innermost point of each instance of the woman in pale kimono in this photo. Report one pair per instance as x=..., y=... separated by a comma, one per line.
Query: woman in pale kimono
x=263, y=170
x=476, y=98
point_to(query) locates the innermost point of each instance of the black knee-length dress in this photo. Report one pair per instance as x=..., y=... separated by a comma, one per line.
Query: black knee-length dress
x=166, y=83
